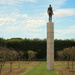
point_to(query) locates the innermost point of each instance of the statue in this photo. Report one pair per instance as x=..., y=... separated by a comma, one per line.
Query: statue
x=50, y=13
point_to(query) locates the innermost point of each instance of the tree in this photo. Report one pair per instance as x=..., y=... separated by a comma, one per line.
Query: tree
x=2, y=42
x=35, y=53
x=12, y=54
x=31, y=54
x=72, y=56
x=69, y=53
x=3, y=57
x=20, y=54
x=35, y=44
x=66, y=53
x=60, y=54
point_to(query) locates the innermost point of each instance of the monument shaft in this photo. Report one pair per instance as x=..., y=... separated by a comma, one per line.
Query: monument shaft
x=50, y=46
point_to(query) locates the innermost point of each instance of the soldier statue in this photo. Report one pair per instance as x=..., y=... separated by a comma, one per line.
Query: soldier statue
x=50, y=13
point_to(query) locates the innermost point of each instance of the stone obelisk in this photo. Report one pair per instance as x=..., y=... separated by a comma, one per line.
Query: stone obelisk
x=50, y=41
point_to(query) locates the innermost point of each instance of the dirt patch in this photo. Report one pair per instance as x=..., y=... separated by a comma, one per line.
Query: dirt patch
x=15, y=71
x=62, y=62
x=65, y=71
x=18, y=71
x=32, y=63
x=23, y=63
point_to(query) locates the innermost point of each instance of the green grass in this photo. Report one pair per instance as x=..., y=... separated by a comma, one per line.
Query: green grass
x=40, y=69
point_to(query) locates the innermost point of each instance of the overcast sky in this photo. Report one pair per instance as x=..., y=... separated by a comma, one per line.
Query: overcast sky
x=28, y=18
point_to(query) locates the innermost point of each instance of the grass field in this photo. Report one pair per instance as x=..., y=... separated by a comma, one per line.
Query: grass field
x=40, y=69
x=37, y=68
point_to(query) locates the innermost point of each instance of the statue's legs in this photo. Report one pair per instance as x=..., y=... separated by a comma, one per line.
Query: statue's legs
x=50, y=18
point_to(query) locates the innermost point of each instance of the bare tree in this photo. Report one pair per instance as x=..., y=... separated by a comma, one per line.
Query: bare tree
x=3, y=57
x=72, y=56
x=67, y=53
x=20, y=54
x=12, y=54
x=60, y=54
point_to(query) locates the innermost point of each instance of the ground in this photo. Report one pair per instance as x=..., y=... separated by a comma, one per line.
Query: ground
x=62, y=69
x=37, y=68
x=65, y=71
x=16, y=71
x=25, y=67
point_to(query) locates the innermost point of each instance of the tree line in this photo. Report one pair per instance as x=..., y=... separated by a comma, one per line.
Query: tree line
x=36, y=45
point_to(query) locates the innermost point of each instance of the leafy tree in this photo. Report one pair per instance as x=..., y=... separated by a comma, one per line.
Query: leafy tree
x=31, y=54
x=2, y=42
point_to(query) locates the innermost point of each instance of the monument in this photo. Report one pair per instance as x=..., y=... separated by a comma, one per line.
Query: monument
x=50, y=41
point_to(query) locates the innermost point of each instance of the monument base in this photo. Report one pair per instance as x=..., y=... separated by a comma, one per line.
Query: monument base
x=50, y=46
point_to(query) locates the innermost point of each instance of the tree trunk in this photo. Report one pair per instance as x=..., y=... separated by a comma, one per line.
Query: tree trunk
x=19, y=62
x=0, y=69
x=30, y=60
x=72, y=61
x=22, y=58
x=72, y=66
x=68, y=61
x=11, y=67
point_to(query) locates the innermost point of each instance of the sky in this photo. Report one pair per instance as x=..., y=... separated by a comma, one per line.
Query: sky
x=28, y=18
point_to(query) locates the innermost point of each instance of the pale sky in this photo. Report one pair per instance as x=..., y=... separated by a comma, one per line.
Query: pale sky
x=28, y=18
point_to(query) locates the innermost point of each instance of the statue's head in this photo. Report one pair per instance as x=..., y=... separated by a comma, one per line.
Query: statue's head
x=50, y=5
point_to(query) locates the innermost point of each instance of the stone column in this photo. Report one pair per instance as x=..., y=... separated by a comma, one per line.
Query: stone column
x=50, y=46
